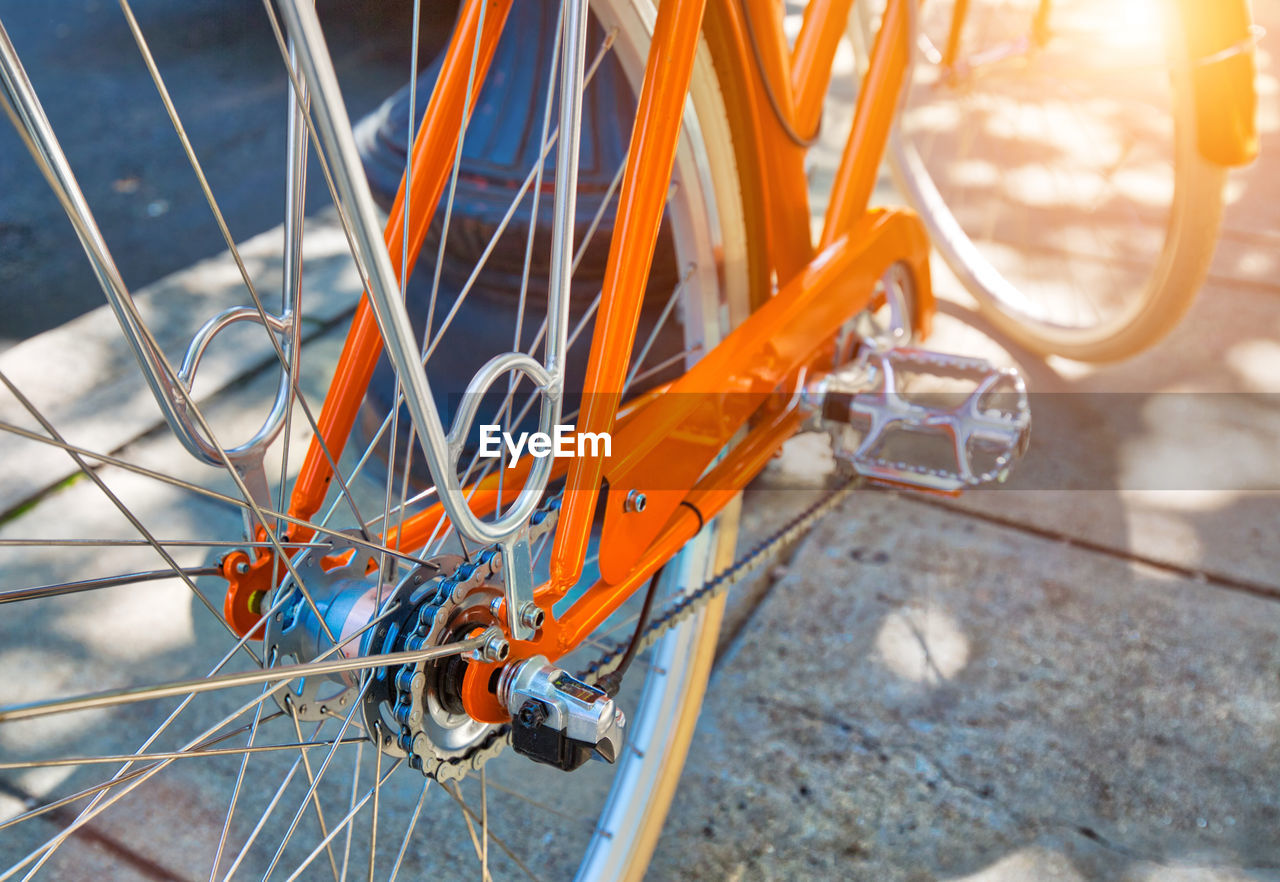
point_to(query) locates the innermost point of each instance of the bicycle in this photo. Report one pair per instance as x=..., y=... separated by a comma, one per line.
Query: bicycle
x=418, y=640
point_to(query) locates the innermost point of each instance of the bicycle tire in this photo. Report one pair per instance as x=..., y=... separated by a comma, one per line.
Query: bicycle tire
x=1165, y=279
x=623, y=839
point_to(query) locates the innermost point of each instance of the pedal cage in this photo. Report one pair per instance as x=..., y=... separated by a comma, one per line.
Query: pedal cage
x=966, y=424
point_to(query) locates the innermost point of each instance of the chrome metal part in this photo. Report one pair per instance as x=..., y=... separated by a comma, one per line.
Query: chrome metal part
x=891, y=325
x=336, y=573
x=282, y=325
x=20, y=99
x=557, y=718
x=423, y=723
x=418, y=708
x=13, y=595
x=572, y=69
x=115, y=697
x=883, y=431
x=495, y=647
x=441, y=451
x=532, y=616
x=517, y=583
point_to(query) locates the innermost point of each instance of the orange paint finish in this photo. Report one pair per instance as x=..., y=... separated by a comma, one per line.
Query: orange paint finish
x=877, y=103
x=433, y=152
x=682, y=432
x=765, y=358
x=1226, y=90
x=482, y=497
x=248, y=582
x=560, y=636
x=959, y=14
x=663, y=441
x=786, y=186
x=811, y=59
x=640, y=206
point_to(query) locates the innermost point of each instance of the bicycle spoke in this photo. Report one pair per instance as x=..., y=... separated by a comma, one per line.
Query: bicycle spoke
x=404, y=263
x=264, y=817
x=453, y=172
x=235, y=791
x=120, y=777
x=283, y=674
x=311, y=780
x=667, y=362
x=657, y=328
x=452, y=787
x=574, y=335
x=338, y=203
x=173, y=754
x=355, y=790
x=142, y=543
x=544, y=149
x=102, y=801
x=287, y=362
x=531, y=181
x=534, y=175
x=470, y=814
x=120, y=506
x=408, y=833
x=62, y=588
x=377, y=792
x=484, y=824
x=271, y=844
x=541, y=806
x=324, y=767
x=344, y=823
x=207, y=494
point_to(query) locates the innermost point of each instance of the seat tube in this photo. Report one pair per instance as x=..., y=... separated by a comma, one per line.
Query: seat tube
x=641, y=202
x=959, y=12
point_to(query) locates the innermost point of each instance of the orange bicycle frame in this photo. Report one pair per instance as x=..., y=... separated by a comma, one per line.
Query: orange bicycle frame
x=669, y=439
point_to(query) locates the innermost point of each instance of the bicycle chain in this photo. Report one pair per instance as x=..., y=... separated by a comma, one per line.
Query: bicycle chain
x=432, y=615
x=691, y=601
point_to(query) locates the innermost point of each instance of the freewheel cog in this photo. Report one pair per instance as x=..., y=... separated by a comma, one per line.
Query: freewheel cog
x=416, y=709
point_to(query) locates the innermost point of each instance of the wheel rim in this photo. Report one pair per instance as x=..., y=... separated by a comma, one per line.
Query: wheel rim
x=1068, y=235
x=709, y=246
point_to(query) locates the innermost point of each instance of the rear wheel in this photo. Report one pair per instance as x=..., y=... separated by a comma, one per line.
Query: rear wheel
x=302, y=788
x=1054, y=162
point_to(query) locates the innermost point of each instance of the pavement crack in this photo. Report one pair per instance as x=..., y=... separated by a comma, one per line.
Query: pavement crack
x=918, y=633
x=62, y=818
x=1094, y=836
x=1212, y=579
x=881, y=748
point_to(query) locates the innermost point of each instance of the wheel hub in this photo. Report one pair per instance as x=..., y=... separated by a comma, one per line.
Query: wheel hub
x=409, y=710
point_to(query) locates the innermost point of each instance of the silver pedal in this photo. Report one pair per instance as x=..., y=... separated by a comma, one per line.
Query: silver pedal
x=924, y=419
